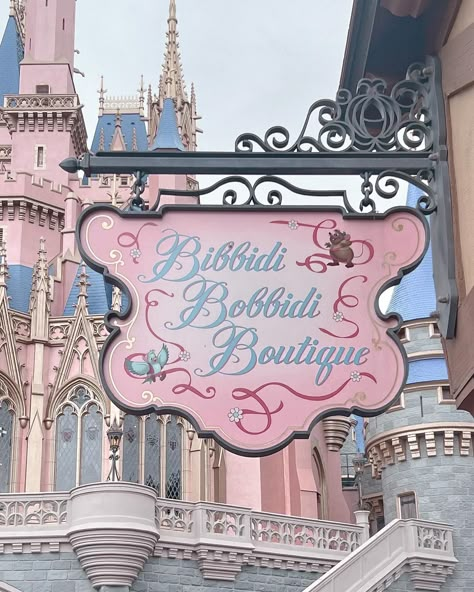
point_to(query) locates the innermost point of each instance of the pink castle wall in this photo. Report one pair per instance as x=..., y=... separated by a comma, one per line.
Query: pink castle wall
x=284, y=482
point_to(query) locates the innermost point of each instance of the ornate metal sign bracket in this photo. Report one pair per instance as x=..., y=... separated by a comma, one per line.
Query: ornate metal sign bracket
x=385, y=135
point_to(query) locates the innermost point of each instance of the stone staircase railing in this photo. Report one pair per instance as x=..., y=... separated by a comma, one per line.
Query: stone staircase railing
x=423, y=549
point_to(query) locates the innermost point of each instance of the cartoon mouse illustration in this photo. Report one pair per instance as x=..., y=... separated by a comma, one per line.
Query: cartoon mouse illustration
x=339, y=246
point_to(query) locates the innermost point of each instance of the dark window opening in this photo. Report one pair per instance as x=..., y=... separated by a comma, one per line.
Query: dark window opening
x=407, y=505
x=446, y=394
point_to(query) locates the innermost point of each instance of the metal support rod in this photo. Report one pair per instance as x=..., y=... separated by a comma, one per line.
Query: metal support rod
x=114, y=457
x=251, y=163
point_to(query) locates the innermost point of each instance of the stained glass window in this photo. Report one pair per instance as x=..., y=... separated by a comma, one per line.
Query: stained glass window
x=6, y=432
x=131, y=449
x=66, y=449
x=91, y=446
x=173, y=458
x=152, y=452
x=79, y=437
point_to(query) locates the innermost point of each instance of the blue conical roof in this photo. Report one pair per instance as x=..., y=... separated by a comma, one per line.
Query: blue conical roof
x=130, y=123
x=11, y=54
x=167, y=136
x=414, y=297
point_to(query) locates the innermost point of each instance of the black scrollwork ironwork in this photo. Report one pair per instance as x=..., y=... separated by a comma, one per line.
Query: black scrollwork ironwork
x=372, y=120
x=387, y=186
x=253, y=193
x=138, y=188
x=388, y=135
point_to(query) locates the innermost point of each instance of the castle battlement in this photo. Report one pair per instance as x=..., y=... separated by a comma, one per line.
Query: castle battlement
x=34, y=187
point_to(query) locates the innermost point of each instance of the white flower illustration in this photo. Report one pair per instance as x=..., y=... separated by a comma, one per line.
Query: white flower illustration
x=338, y=317
x=185, y=356
x=293, y=225
x=355, y=376
x=135, y=253
x=235, y=414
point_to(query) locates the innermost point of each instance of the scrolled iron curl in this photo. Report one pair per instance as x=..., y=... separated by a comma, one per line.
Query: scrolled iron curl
x=345, y=125
x=387, y=186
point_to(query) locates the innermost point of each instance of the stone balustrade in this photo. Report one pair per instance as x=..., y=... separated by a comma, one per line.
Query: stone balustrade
x=38, y=102
x=114, y=529
x=220, y=537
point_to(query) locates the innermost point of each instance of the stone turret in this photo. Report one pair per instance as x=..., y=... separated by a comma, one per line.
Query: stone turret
x=421, y=450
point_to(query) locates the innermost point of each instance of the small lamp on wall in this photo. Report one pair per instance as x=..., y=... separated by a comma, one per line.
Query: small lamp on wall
x=114, y=434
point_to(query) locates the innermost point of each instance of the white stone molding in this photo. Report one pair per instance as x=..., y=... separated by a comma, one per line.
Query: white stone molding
x=422, y=548
x=336, y=429
x=396, y=446
x=7, y=588
x=112, y=530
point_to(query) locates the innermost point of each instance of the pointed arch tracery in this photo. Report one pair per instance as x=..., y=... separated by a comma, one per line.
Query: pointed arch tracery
x=7, y=426
x=10, y=391
x=79, y=418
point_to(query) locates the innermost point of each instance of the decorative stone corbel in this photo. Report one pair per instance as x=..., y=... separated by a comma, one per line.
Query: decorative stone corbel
x=336, y=430
x=222, y=557
x=113, y=532
x=427, y=575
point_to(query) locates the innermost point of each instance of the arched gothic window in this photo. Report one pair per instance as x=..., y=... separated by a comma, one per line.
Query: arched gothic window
x=152, y=453
x=79, y=440
x=6, y=444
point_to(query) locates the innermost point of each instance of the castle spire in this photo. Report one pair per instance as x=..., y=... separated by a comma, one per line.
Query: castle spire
x=118, y=141
x=3, y=268
x=101, y=92
x=82, y=284
x=141, y=97
x=173, y=87
x=40, y=299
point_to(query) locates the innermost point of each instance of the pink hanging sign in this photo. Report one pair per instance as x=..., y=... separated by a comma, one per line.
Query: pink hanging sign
x=252, y=323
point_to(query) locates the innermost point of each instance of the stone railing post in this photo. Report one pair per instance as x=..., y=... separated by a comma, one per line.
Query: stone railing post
x=224, y=539
x=362, y=519
x=113, y=532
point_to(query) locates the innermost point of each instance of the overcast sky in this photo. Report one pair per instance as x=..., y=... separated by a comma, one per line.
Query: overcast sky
x=255, y=63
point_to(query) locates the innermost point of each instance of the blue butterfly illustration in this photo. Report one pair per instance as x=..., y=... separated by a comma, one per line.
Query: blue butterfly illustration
x=151, y=367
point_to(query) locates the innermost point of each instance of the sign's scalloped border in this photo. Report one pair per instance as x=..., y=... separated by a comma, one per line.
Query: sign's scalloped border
x=154, y=214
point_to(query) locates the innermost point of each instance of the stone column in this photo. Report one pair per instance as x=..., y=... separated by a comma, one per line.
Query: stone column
x=362, y=519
